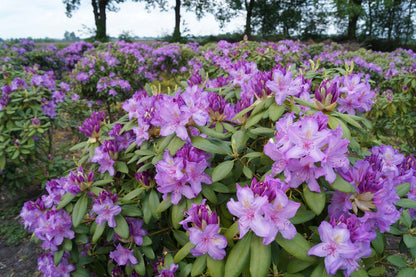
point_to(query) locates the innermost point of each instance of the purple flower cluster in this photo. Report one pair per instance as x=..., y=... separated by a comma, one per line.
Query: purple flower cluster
x=373, y=180
x=91, y=126
x=355, y=95
x=105, y=155
x=204, y=232
x=106, y=209
x=182, y=174
x=123, y=256
x=50, y=226
x=283, y=85
x=344, y=242
x=306, y=150
x=111, y=84
x=265, y=209
x=49, y=269
x=168, y=272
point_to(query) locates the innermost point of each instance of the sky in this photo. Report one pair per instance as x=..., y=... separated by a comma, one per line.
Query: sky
x=46, y=18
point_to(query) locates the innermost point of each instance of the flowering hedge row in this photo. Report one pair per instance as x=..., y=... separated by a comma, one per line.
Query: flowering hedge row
x=251, y=167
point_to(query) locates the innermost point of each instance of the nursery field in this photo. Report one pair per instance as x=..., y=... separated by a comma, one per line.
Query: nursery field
x=225, y=159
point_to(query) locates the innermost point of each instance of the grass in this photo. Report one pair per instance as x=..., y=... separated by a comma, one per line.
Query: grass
x=11, y=230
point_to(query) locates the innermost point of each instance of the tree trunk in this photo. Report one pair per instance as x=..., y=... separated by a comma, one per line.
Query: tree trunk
x=177, y=31
x=99, y=8
x=249, y=9
x=352, y=20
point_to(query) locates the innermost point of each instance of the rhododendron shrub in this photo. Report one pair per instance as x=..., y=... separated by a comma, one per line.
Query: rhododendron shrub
x=31, y=107
x=244, y=170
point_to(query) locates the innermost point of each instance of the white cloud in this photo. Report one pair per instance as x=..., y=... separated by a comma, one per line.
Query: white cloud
x=46, y=18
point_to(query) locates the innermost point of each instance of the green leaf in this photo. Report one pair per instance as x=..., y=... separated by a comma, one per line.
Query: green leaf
x=359, y=273
x=379, y=243
x=219, y=187
x=406, y=219
x=253, y=119
x=276, y=111
x=78, y=146
x=319, y=271
x=298, y=247
x=99, y=230
x=303, y=102
x=164, y=205
x=122, y=228
x=262, y=131
x=215, y=267
x=209, y=194
x=409, y=240
x=140, y=267
x=183, y=252
x=253, y=155
x=315, y=201
x=132, y=194
x=80, y=272
x=65, y=200
x=102, y=182
x=349, y=119
x=243, y=112
x=222, y=170
x=175, y=145
x=212, y=133
x=342, y=185
x=199, y=265
x=132, y=211
x=79, y=211
x=154, y=202
x=185, y=271
x=67, y=245
x=163, y=142
x=260, y=257
x=211, y=145
x=334, y=122
x=397, y=261
x=57, y=257
x=237, y=140
x=231, y=232
x=377, y=271
x=148, y=252
x=407, y=272
x=403, y=189
x=302, y=216
x=238, y=258
x=177, y=213
x=121, y=167
x=296, y=265
x=406, y=203
x=2, y=161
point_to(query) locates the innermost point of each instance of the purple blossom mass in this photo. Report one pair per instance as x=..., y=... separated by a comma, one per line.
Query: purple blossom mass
x=265, y=209
x=123, y=256
x=182, y=174
x=306, y=150
x=204, y=232
x=106, y=209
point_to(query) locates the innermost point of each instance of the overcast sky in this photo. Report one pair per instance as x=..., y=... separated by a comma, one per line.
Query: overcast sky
x=46, y=18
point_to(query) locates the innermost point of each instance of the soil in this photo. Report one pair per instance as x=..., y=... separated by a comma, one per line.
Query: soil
x=17, y=260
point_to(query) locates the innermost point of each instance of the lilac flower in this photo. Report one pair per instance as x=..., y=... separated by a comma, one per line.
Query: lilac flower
x=306, y=150
x=168, y=272
x=91, y=126
x=31, y=212
x=336, y=247
x=173, y=174
x=82, y=77
x=106, y=209
x=49, y=269
x=105, y=156
x=265, y=208
x=48, y=108
x=52, y=227
x=249, y=210
x=123, y=256
x=204, y=233
x=375, y=196
x=282, y=85
x=135, y=227
x=58, y=96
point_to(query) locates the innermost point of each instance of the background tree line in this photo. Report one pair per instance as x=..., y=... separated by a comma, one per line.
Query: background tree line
x=362, y=20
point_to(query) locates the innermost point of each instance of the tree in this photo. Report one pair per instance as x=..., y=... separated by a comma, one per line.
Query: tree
x=70, y=36
x=351, y=11
x=100, y=8
x=200, y=7
x=231, y=8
